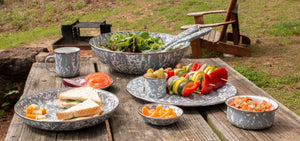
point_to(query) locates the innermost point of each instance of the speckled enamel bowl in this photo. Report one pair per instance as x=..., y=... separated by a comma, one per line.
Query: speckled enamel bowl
x=137, y=63
x=253, y=120
x=161, y=121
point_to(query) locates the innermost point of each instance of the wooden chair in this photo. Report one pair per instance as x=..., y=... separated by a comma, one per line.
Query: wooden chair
x=217, y=40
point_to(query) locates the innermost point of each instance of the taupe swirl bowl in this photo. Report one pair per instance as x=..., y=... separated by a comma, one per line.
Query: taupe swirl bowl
x=137, y=63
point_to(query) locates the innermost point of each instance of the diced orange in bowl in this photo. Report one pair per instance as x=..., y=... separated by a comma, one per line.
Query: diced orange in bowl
x=159, y=112
x=145, y=111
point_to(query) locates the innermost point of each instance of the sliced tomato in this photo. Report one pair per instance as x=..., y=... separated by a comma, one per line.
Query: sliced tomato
x=98, y=80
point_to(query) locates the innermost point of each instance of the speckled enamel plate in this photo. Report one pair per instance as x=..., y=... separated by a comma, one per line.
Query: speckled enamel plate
x=46, y=99
x=136, y=88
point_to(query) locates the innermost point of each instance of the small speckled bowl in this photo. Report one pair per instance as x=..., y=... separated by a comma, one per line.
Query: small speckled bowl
x=253, y=120
x=161, y=121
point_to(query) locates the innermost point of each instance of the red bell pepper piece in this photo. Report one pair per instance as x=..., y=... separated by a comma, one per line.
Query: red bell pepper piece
x=219, y=78
x=206, y=85
x=170, y=74
x=190, y=90
x=195, y=67
x=184, y=75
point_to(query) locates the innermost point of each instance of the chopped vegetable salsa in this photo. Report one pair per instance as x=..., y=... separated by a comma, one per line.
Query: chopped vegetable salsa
x=246, y=103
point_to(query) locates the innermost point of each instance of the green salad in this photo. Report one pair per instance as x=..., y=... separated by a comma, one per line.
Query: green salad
x=138, y=43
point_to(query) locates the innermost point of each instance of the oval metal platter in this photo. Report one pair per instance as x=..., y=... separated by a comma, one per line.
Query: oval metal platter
x=136, y=88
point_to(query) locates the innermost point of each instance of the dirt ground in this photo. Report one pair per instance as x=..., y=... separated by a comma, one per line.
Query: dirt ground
x=4, y=123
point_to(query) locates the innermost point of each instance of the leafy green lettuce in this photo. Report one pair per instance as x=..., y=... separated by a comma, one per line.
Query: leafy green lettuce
x=138, y=43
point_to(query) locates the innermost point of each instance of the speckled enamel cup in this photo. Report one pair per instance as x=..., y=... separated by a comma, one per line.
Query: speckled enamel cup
x=67, y=61
x=253, y=120
x=155, y=87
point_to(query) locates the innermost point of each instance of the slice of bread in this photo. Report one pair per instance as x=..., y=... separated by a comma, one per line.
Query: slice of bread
x=85, y=109
x=80, y=93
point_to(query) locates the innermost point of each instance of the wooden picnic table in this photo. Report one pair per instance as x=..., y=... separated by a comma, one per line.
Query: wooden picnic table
x=197, y=123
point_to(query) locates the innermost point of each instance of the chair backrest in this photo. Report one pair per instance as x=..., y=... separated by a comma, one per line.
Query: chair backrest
x=230, y=15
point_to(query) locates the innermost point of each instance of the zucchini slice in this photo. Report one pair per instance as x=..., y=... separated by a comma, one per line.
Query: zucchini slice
x=181, y=72
x=171, y=86
x=177, y=70
x=189, y=67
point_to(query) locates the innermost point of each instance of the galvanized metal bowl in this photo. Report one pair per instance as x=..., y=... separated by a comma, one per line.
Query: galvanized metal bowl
x=253, y=120
x=137, y=63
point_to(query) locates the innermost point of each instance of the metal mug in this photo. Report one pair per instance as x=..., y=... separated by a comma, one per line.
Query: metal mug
x=155, y=87
x=67, y=61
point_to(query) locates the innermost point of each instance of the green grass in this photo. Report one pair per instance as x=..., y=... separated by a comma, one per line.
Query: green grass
x=166, y=17
x=285, y=29
x=276, y=86
x=259, y=78
x=8, y=40
x=169, y=20
x=263, y=79
x=290, y=99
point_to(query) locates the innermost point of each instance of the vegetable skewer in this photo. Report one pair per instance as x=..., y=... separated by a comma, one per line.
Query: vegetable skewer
x=196, y=78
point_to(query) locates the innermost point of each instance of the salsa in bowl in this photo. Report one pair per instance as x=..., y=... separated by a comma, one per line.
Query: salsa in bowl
x=251, y=112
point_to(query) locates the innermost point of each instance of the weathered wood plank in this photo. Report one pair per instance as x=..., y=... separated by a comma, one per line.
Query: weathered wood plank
x=126, y=123
x=206, y=36
x=286, y=125
x=40, y=80
x=95, y=133
x=217, y=36
x=212, y=35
